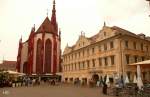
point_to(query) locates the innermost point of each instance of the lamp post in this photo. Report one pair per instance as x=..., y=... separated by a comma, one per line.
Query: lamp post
x=149, y=4
x=148, y=1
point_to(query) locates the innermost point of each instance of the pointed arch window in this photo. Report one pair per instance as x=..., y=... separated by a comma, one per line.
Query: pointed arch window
x=39, y=64
x=48, y=54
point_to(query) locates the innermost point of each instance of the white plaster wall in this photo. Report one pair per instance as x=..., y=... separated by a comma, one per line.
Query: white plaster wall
x=36, y=37
x=39, y=36
x=24, y=55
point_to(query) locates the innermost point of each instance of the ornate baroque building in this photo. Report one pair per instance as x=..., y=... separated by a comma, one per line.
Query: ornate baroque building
x=40, y=54
x=109, y=52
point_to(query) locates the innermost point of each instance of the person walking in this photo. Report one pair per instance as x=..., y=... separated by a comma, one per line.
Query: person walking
x=104, y=86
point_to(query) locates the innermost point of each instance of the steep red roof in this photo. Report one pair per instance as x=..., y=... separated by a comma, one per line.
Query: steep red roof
x=9, y=62
x=46, y=26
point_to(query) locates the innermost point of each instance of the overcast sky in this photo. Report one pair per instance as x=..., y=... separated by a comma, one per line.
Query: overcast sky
x=73, y=16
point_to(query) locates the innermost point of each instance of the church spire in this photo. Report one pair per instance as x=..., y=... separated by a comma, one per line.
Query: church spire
x=20, y=41
x=104, y=24
x=53, y=18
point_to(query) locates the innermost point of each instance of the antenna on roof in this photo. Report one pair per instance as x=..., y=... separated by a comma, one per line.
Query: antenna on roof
x=67, y=44
x=81, y=33
x=33, y=28
x=3, y=58
x=47, y=13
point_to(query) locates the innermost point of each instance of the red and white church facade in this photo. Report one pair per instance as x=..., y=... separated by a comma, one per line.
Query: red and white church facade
x=40, y=54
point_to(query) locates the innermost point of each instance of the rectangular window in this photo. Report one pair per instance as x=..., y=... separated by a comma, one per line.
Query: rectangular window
x=63, y=68
x=112, y=60
x=134, y=45
x=142, y=46
x=146, y=48
x=75, y=55
x=127, y=59
x=105, y=46
x=126, y=44
x=88, y=64
x=106, y=63
x=135, y=59
x=143, y=58
x=79, y=66
x=99, y=47
x=87, y=52
x=68, y=67
x=83, y=65
x=100, y=62
x=93, y=61
x=79, y=54
x=93, y=50
x=75, y=67
x=83, y=52
x=72, y=67
x=72, y=56
x=111, y=44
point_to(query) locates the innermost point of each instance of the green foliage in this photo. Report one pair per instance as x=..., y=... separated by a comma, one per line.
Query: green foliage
x=3, y=75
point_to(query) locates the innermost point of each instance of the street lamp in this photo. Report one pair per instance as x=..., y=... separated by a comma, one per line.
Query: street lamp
x=149, y=4
x=148, y=1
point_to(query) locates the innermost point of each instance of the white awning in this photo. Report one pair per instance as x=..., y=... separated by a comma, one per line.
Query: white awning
x=147, y=62
x=15, y=73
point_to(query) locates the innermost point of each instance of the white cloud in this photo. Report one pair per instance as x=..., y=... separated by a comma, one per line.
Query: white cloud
x=18, y=16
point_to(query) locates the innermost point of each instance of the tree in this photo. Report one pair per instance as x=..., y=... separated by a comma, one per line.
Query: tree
x=3, y=77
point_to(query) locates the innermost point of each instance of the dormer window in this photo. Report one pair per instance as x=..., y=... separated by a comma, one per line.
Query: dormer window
x=104, y=33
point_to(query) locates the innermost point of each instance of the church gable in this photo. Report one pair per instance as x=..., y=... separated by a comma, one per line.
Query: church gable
x=46, y=26
x=106, y=32
x=82, y=42
x=67, y=49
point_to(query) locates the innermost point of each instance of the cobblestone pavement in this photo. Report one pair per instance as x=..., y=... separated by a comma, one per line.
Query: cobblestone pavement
x=51, y=91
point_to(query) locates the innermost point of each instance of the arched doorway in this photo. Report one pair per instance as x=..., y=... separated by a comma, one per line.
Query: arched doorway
x=39, y=64
x=48, y=54
x=95, y=77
